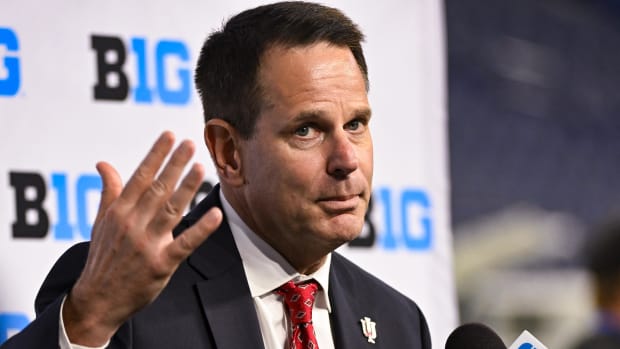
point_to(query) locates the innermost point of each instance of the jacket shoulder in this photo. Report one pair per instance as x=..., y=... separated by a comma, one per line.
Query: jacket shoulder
x=367, y=295
x=350, y=275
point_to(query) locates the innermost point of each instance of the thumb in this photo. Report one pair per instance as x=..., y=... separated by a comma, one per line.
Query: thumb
x=112, y=187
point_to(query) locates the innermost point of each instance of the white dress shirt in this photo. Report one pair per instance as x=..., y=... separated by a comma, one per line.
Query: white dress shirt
x=265, y=270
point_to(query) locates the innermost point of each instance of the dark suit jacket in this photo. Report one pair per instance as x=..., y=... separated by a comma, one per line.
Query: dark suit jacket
x=207, y=303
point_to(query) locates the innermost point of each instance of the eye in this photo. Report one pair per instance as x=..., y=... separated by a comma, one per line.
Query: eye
x=307, y=131
x=354, y=125
x=306, y=135
x=303, y=131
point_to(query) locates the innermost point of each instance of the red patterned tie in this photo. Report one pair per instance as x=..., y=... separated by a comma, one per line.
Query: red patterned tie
x=299, y=300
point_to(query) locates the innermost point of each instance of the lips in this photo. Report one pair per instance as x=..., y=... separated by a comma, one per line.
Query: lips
x=340, y=204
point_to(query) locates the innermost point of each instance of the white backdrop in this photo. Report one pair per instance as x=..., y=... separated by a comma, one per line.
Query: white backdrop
x=53, y=130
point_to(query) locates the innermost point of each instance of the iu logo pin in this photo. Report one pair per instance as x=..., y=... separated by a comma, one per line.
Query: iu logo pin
x=369, y=329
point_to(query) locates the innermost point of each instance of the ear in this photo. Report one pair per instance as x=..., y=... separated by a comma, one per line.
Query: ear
x=223, y=142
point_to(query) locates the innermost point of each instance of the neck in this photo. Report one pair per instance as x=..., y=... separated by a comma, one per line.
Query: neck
x=305, y=267
x=305, y=258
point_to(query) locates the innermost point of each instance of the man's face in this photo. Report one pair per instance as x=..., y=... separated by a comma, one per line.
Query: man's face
x=308, y=165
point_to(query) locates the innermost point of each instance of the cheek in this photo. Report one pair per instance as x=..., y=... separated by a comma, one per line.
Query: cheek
x=283, y=174
x=302, y=167
x=366, y=163
x=302, y=177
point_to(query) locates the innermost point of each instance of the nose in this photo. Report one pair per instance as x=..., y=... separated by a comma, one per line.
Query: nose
x=342, y=158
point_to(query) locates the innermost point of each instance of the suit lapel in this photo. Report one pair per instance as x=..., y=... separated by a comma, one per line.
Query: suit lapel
x=224, y=294
x=230, y=312
x=346, y=310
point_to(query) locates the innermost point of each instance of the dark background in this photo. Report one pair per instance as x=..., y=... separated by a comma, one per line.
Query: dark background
x=534, y=132
x=534, y=106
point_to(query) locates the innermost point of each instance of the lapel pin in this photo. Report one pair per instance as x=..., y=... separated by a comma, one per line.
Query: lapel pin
x=369, y=329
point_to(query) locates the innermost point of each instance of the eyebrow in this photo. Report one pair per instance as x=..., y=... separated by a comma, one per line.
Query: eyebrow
x=309, y=115
x=365, y=113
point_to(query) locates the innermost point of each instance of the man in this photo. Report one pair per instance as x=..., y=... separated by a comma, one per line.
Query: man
x=284, y=92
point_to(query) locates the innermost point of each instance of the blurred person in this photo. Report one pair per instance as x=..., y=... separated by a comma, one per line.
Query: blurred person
x=284, y=93
x=602, y=260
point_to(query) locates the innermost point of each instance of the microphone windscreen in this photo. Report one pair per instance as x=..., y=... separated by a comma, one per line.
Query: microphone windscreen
x=474, y=336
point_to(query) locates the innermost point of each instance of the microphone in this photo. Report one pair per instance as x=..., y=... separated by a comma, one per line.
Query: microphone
x=474, y=336
x=527, y=341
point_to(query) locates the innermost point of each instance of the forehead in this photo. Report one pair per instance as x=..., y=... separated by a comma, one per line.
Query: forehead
x=316, y=71
x=306, y=77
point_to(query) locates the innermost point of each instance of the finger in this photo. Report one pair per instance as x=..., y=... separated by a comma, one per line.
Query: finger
x=162, y=188
x=171, y=211
x=112, y=186
x=148, y=168
x=111, y=189
x=184, y=244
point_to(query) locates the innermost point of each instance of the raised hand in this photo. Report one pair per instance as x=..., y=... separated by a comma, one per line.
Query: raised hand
x=132, y=251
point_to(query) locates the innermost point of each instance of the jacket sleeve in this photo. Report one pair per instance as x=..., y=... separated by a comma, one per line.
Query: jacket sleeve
x=42, y=333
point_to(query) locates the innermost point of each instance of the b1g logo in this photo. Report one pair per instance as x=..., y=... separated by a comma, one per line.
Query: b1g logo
x=168, y=62
x=32, y=219
x=75, y=205
x=406, y=217
x=9, y=62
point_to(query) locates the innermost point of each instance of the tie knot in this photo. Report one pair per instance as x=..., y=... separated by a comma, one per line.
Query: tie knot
x=299, y=299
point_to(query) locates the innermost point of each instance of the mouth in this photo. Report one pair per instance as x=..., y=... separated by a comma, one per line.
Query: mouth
x=340, y=204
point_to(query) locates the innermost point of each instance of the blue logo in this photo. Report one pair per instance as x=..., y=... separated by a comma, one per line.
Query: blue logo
x=70, y=213
x=415, y=230
x=405, y=220
x=74, y=198
x=168, y=63
x=9, y=65
x=527, y=346
x=11, y=323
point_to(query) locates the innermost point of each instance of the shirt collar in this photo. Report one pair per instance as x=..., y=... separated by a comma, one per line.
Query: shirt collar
x=264, y=267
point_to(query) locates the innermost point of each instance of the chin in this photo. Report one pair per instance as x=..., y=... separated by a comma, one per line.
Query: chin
x=335, y=241
x=345, y=229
